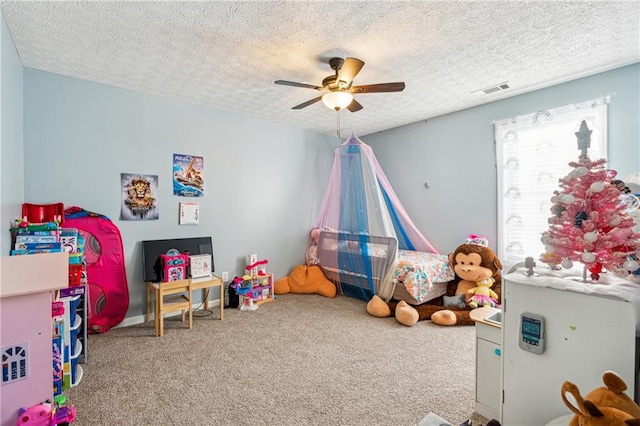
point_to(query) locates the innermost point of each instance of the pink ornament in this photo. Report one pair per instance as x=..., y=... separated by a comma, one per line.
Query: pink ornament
x=615, y=221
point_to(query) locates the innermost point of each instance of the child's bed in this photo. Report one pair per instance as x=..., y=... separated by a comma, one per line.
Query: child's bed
x=352, y=261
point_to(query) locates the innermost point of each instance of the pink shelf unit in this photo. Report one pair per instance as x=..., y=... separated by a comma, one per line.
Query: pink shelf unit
x=26, y=286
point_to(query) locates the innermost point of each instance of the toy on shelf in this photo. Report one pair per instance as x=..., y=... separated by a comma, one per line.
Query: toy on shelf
x=255, y=287
x=32, y=238
x=69, y=239
x=43, y=212
x=174, y=265
x=244, y=291
x=253, y=267
x=200, y=265
x=57, y=308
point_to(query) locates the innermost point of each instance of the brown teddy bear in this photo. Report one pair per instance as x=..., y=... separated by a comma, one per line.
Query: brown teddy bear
x=605, y=405
x=473, y=262
x=306, y=280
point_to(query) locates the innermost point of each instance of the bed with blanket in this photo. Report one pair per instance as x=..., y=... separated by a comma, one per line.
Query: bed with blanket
x=413, y=276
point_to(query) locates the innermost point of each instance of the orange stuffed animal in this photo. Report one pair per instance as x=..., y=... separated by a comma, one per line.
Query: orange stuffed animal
x=606, y=405
x=305, y=280
x=607, y=397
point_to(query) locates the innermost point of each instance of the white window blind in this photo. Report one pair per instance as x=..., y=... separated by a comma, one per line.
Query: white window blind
x=533, y=153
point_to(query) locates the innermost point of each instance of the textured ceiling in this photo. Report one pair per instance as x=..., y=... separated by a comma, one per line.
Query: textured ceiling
x=227, y=54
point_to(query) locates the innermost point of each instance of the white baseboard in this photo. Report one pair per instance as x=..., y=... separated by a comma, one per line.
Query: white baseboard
x=139, y=319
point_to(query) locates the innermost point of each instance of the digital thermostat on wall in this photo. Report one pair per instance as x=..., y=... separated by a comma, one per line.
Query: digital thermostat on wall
x=532, y=333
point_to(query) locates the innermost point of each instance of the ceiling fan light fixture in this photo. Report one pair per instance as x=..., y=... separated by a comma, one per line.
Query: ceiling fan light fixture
x=337, y=100
x=338, y=89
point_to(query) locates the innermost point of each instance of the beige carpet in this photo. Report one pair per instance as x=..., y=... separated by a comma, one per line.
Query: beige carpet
x=300, y=360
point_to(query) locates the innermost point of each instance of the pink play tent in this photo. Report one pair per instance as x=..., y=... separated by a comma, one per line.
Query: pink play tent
x=104, y=255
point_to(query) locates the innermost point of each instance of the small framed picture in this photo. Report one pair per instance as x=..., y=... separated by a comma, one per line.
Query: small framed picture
x=189, y=213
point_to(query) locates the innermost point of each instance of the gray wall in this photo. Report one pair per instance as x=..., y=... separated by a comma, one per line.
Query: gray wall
x=263, y=182
x=455, y=154
x=11, y=185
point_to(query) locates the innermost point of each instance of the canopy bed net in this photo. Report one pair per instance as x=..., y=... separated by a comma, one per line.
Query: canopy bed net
x=363, y=239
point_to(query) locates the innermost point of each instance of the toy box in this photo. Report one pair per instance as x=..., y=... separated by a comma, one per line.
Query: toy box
x=200, y=265
x=69, y=240
x=45, y=247
x=22, y=239
x=174, y=266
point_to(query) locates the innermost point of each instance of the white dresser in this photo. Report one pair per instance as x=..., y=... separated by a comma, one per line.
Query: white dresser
x=589, y=329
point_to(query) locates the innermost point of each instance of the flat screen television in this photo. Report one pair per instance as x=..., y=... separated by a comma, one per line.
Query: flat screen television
x=152, y=249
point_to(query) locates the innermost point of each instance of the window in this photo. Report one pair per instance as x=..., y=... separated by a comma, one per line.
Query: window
x=533, y=153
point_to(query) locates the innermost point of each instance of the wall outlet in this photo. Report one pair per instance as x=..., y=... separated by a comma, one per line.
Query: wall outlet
x=225, y=276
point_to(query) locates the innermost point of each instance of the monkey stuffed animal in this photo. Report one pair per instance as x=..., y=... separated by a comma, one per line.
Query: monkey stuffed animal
x=473, y=262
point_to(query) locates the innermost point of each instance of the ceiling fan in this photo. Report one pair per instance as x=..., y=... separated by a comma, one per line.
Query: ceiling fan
x=339, y=87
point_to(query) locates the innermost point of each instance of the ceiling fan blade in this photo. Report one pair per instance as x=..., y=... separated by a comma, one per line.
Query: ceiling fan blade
x=306, y=104
x=378, y=88
x=294, y=84
x=354, y=106
x=350, y=68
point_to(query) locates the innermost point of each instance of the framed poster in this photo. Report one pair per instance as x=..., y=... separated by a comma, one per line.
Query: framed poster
x=189, y=213
x=139, y=197
x=188, y=175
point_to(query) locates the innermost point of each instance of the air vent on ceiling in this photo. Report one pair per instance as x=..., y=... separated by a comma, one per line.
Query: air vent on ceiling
x=490, y=90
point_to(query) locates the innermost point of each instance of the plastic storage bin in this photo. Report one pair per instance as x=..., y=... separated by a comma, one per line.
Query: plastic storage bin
x=74, y=302
x=73, y=334
x=75, y=377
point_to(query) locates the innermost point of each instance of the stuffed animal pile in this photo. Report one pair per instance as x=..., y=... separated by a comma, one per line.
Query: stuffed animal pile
x=605, y=405
x=478, y=283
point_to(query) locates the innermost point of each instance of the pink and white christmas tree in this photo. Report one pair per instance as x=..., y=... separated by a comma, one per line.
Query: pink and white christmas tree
x=589, y=224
